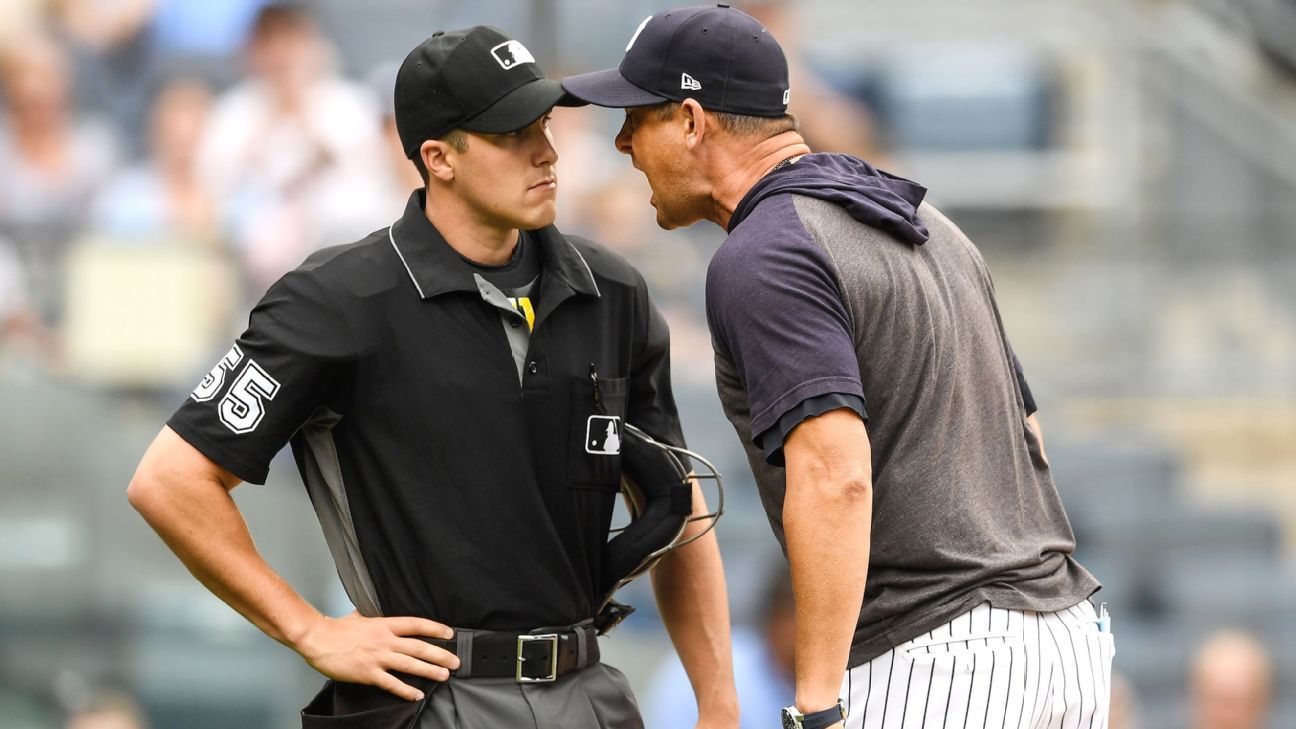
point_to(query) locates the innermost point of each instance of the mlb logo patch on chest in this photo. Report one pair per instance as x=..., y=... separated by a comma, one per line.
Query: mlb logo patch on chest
x=603, y=435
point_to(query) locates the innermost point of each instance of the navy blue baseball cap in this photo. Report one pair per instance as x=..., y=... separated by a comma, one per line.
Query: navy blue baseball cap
x=720, y=56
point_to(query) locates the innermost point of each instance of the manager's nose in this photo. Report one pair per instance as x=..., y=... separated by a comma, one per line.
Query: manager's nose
x=623, y=137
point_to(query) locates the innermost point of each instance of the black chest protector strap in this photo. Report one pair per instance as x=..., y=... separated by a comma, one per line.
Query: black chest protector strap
x=657, y=482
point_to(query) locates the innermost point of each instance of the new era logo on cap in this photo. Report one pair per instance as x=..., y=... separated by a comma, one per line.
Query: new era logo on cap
x=688, y=83
x=511, y=53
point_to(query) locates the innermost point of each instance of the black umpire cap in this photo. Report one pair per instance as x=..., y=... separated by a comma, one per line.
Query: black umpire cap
x=720, y=56
x=477, y=79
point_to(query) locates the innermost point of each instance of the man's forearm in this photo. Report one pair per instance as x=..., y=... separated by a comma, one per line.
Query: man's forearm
x=202, y=525
x=690, y=589
x=826, y=520
x=185, y=498
x=189, y=506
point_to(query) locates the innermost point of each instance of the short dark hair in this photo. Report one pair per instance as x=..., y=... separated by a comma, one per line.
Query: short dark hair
x=739, y=125
x=456, y=138
x=278, y=17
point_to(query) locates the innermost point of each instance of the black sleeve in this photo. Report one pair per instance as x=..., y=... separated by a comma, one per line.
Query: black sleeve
x=296, y=347
x=651, y=406
x=1028, y=399
x=775, y=311
x=771, y=441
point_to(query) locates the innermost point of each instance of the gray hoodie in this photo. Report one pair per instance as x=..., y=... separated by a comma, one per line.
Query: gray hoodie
x=839, y=287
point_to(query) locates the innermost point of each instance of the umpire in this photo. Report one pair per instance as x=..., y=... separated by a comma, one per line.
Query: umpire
x=454, y=388
x=861, y=358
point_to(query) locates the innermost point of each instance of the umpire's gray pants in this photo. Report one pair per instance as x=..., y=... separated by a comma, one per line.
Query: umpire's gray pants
x=596, y=697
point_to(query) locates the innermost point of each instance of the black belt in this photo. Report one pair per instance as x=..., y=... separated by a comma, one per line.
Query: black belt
x=524, y=657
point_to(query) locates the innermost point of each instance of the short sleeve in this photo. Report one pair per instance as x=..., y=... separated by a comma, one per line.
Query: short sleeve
x=771, y=441
x=295, y=351
x=775, y=311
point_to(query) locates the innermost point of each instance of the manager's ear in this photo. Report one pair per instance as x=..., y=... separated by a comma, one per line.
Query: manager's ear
x=439, y=159
x=694, y=119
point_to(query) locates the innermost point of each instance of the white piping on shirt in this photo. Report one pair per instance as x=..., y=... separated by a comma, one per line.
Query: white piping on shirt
x=587, y=270
x=392, y=238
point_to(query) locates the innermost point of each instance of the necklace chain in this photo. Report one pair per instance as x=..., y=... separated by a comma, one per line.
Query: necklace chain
x=787, y=161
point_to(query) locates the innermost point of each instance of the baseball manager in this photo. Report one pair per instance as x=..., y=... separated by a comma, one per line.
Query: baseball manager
x=861, y=358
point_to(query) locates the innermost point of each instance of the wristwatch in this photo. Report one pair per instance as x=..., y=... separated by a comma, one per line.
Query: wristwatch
x=794, y=719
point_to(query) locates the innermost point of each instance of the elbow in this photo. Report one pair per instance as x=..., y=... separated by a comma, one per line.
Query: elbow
x=136, y=493
x=855, y=489
x=142, y=492
x=841, y=500
x=841, y=490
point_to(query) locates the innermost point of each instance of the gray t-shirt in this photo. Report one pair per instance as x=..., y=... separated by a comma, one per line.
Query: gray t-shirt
x=896, y=319
x=513, y=288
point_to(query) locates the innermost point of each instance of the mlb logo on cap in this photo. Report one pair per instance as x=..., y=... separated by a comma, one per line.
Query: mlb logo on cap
x=511, y=53
x=477, y=79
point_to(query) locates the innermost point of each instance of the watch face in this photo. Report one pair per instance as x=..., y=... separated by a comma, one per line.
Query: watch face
x=791, y=720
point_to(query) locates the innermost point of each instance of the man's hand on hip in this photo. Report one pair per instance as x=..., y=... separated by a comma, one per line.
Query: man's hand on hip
x=356, y=649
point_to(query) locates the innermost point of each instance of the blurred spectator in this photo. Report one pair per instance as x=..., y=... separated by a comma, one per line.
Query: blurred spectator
x=50, y=164
x=764, y=658
x=155, y=238
x=161, y=199
x=202, y=36
x=1230, y=683
x=19, y=17
x=103, y=24
x=291, y=152
x=830, y=120
x=109, y=42
x=19, y=329
x=400, y=174
x=109, y=711
x=13, y=296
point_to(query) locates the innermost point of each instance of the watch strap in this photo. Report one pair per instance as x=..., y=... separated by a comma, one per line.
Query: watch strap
x=825, y=718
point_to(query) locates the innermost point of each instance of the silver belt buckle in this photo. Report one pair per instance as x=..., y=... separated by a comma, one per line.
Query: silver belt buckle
x=553, y=658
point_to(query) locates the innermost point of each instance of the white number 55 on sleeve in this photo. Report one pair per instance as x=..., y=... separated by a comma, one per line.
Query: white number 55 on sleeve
x=243, y=406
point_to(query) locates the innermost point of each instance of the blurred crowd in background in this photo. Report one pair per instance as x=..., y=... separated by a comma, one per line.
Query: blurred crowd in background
x=1128, y=167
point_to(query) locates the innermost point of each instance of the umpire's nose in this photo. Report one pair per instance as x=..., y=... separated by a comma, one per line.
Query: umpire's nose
x=547, y=153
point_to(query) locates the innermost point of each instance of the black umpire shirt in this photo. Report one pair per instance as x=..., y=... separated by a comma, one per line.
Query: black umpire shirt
x=452, y=481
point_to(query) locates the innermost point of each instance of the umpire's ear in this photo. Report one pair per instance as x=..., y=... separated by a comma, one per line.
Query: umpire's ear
x=439, y=158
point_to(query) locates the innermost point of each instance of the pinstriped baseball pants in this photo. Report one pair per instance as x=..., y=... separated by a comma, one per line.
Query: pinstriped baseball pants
x=990, y=669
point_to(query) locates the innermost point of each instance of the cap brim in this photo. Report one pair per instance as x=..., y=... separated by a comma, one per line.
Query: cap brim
x=609, y=88
x=518, y=108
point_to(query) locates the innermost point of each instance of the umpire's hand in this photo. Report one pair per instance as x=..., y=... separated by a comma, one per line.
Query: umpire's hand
x=364, y=650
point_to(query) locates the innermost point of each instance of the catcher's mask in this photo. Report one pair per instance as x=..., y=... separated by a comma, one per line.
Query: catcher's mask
x=657, y=480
